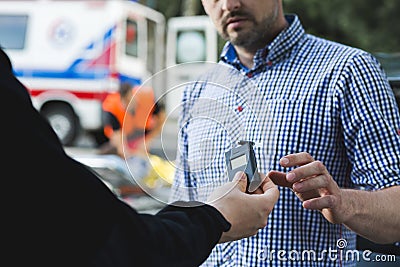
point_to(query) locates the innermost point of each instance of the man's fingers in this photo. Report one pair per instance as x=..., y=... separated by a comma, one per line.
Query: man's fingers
x=279, y=178
x=297, y=159
x=307, y=195
x=314, y=183
x=320, y=203
x=308, y=170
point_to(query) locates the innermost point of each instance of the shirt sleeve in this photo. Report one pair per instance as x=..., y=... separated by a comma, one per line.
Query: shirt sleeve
x=371, y=123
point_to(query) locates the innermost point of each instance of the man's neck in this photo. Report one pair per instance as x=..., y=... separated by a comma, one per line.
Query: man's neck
x=245, y=56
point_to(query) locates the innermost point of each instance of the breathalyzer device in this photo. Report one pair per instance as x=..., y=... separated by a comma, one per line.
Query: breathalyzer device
x=242, y=158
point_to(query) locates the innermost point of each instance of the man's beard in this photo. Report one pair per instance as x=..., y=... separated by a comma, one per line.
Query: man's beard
x=253, y=37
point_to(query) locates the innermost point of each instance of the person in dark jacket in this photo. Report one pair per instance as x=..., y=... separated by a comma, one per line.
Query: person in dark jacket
x=57, y=212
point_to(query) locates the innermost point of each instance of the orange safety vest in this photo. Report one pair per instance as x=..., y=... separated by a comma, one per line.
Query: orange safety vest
x=144, y=101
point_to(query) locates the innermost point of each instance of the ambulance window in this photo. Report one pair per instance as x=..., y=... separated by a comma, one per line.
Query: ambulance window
x=191, y=46
x=131, y=45
x=13, y=31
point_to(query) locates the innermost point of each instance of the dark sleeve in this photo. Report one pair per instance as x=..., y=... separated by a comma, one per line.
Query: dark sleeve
x=176, y=237
x=182, y=222
x=57, y=212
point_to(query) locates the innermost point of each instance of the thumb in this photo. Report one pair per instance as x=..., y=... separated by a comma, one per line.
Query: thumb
x=241, y=181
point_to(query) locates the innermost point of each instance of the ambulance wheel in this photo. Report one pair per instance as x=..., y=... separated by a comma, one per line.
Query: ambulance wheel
x=64, y=122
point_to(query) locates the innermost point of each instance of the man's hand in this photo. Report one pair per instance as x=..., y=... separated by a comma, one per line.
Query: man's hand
x=247, y=213
x=312, y=184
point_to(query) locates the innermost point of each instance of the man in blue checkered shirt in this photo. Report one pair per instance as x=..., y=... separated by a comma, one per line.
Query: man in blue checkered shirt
x=326, y=128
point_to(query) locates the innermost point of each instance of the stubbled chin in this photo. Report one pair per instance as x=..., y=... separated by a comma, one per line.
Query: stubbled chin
x=234, y=34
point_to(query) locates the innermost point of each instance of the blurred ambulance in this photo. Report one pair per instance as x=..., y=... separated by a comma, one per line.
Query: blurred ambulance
x=71, y=54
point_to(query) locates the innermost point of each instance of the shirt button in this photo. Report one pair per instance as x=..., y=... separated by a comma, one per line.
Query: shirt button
x=249, y=75
x=269, y=63
x=227, y=258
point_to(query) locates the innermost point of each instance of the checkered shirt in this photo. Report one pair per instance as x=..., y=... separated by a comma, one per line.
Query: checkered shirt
x=303, y=93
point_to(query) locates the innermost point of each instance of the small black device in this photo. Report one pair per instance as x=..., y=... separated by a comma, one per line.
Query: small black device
x=242, y=158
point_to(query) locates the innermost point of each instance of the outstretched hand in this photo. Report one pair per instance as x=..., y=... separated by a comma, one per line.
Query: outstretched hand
x=247, y=213
x=313, y=185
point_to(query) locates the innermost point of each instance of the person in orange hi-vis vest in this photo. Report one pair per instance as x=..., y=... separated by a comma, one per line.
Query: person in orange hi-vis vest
x=132, y=118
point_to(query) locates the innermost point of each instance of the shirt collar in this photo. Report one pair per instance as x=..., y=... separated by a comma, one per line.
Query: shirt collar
x=273, y=52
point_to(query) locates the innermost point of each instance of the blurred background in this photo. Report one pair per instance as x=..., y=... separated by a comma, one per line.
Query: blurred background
x=71, y=54
x=367, y=24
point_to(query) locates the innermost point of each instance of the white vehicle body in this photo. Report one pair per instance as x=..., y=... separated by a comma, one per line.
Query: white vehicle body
x=195, y=41
x=71, y=54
